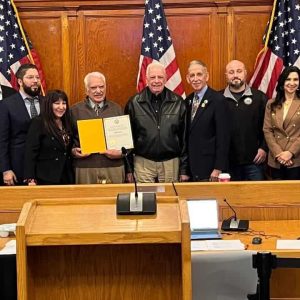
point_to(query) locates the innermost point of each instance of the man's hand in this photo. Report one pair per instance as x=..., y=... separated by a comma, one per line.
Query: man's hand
x=260, y=156
x=76, y=152
x=9, y=178
x=214, y=175
x=184, y=178
x=113, y=154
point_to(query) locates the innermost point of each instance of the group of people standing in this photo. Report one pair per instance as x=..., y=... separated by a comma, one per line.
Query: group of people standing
x=235, y=130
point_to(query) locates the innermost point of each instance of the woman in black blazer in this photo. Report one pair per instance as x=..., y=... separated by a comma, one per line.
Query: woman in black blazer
x=49, y=143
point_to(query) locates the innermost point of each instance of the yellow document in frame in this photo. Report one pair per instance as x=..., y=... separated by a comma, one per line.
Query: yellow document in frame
x=91, y=136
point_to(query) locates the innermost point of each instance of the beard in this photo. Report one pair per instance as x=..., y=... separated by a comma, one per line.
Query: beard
x=32, y=91
x=236, y=85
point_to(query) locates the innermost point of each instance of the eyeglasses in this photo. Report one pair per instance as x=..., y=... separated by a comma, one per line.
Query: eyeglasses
x=31, y=77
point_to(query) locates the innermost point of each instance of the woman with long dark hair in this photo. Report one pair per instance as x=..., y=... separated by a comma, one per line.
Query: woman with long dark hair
x=282, y=126
x=49, y=143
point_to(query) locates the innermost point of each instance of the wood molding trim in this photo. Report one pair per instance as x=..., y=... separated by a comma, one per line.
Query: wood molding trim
x=36, y=5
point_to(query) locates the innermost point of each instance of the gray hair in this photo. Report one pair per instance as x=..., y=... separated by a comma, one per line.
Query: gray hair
x=197, y=62
x=87, y=77
x=156, y=64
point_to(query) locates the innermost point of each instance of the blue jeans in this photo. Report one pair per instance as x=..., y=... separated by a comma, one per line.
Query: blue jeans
x=247, y=172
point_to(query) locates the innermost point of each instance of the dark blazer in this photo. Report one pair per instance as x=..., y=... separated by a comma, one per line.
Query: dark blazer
x=7, y=91
x=46, y=157
x=208, y=135
x=14, y=124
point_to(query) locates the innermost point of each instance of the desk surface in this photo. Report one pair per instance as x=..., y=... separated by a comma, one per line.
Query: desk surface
x=270, y=232
x=71, y=223
x=3, y=241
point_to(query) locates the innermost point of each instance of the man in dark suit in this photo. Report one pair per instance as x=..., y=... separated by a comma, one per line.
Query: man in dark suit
x=6, y=91
x=15, y=114
x=208, y=131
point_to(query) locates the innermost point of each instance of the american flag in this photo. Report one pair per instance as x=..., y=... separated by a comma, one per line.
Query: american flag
x=282, y=46
x=13, y=49
x=157, y=45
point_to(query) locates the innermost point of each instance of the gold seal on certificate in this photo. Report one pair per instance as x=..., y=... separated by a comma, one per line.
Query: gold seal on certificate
x=118, y=132
x=99, y=135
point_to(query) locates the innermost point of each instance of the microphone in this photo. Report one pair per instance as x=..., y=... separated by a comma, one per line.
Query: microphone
x=233, y=224
x=235, y=218
x=125, y=155
x=135, y=203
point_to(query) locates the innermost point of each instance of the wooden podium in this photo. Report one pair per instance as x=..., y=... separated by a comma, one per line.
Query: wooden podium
x=81, y=249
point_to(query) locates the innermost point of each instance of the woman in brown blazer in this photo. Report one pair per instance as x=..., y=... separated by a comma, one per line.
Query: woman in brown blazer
x=282, y=127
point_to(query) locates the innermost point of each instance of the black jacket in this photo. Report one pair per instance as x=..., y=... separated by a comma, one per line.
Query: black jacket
x=7, y=91
x=161, y=138
x=46, y=157
x=246, y=121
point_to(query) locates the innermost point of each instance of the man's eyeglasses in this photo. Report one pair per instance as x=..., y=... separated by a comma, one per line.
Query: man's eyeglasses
x=31, y=77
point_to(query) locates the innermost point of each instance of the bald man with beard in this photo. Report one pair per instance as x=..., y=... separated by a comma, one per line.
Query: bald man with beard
x=248, y=148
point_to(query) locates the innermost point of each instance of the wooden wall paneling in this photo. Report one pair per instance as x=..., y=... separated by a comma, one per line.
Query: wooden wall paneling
x=66, y=62
x=249, y=24
x=75, y=59
x=216, y=50
x=80, y=59
x=45, y=32
x=221, y=50
x=111, y=45
x=190, y=30
x=107, y=4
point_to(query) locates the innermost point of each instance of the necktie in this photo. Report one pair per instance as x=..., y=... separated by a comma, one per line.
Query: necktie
x=97, y=109
x=195, y=106
x=33, y=111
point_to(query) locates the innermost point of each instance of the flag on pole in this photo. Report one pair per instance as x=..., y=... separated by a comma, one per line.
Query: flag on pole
x=157, y=46
x=15, y=47
x=282, y=46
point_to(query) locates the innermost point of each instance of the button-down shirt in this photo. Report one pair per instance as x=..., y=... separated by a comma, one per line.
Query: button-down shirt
x=27, y=102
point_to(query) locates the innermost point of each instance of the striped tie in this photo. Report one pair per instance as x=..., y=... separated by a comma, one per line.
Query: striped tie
x=195, y=106
x=33, y=111
x=97, y=109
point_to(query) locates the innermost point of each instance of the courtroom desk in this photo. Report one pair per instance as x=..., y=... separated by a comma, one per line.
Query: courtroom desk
x=74, y=249
x=255, y=200
x=8, y=274
x=284, y=282
x=269, y=231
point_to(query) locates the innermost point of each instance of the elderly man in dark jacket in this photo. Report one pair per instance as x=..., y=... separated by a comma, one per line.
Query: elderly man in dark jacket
x=158, y=120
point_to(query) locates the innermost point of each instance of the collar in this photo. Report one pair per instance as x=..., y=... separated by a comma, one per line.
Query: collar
x=201, y=93
x=93, y=104
x=146, y=95
x=228, y=94
x=24, y=96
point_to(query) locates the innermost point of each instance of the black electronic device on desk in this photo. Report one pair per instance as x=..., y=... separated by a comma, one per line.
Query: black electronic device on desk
x=135, y=203
x=233, y=223
x=203, y=216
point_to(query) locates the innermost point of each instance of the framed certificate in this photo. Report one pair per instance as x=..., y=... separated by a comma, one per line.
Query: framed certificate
x=98, y=135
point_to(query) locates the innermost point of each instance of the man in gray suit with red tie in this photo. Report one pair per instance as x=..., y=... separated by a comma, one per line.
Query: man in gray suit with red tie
x=16, y=112
x=208, y=130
